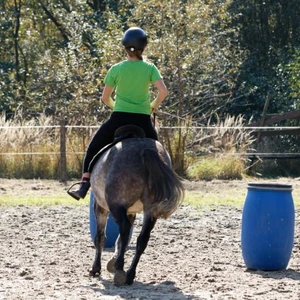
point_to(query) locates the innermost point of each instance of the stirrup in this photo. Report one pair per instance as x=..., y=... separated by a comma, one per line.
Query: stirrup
x=71, y=193
x=81, y=192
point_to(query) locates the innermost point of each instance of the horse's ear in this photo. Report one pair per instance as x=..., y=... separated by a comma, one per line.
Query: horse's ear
x=130, y=130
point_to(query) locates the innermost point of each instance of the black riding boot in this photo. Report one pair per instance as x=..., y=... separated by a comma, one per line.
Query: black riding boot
x=81, y=192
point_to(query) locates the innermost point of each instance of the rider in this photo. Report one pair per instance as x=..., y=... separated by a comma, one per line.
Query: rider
x=130, y=79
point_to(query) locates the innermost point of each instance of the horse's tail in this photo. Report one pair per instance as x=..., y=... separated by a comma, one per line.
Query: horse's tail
x=164, y=187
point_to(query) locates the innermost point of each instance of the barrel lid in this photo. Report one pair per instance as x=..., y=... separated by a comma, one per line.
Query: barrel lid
x=270, y=186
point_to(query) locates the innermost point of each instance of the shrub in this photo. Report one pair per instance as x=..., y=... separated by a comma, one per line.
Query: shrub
x=220, y=167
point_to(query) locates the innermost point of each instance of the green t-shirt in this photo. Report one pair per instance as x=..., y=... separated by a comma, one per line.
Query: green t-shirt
x=132, y=79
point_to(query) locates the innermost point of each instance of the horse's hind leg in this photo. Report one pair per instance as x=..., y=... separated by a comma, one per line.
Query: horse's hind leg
x=111, y=264
x=124, y=223
x=101, y=216
x=142, y=242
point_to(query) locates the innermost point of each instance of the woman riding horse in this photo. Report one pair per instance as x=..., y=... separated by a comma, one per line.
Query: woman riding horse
x=130, y=79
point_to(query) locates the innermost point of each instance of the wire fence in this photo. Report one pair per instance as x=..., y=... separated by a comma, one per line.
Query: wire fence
x=161, y=127
x=63, y=151
x=63, y=128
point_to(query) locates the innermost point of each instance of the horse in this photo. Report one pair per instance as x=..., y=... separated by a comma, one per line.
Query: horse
x=133, y=176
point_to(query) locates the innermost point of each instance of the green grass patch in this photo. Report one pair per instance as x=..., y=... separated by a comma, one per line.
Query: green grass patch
x=209, y=168
x=235, y=198
x=197, y=199
x=212, y=200
x=41, y=200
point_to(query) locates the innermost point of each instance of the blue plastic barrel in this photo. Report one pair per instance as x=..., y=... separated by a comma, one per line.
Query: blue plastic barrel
x=112, y=230
x=268, y=222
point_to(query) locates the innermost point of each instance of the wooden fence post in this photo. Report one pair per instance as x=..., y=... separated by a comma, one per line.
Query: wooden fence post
x=262, y=121
x=63, y=152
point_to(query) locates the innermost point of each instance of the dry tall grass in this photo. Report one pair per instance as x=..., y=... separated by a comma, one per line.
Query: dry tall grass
x=28, y=151
x=31, y=148
x=228, y=136
x=216, y=150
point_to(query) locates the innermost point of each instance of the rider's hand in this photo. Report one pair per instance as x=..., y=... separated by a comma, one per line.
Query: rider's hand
x=153, y=106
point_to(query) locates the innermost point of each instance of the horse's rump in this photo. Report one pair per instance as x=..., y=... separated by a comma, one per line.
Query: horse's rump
x=132, y=176
x=137, y=170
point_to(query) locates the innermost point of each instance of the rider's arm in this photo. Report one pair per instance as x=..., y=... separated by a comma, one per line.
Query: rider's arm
x=162, y=94
x=106, y=96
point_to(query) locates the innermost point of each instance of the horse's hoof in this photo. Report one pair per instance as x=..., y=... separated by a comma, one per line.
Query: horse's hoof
x=129, y=281
x=111, y=265
x=130, y=277
x=94, y=273
x=120, y=278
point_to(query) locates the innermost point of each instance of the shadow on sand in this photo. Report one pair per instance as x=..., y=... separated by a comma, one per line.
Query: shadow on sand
x=288, y=273
x=138, y=290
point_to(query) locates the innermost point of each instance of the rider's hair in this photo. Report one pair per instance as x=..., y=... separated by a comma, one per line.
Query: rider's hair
x=135, y=53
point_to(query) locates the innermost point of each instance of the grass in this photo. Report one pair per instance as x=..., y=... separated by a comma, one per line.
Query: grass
x=218, y=150
x=206, y=200
x=198, y=199
x=219, y=167
x=234, y=198
x=40, y=200
x=30, y=148
x=214, y=158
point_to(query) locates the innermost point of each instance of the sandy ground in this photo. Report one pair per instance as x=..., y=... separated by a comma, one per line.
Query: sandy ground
x=46, y=252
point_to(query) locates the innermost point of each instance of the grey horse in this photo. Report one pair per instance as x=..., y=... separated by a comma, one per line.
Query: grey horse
x=133, y=176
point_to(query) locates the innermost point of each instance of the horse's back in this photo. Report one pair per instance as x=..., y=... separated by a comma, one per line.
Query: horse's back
x=119, y=174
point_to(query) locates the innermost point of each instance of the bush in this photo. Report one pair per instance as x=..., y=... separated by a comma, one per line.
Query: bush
x=220, y=167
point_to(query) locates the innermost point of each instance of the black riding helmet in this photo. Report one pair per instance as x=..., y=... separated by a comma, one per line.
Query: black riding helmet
x=134, y=38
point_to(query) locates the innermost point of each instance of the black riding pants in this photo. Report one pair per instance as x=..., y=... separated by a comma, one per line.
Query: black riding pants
x=105, y=134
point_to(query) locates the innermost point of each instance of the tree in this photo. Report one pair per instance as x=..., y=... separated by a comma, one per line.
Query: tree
x=293, y=70
x=61, y=54
x=269, y=31
x=189, y=41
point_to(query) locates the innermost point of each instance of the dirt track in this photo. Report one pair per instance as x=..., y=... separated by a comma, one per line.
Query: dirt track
x=45, y=253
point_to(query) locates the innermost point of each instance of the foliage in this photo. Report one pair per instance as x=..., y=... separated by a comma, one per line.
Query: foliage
x=223, y=167
x=190, y=43
x=293, y=70
x=276, y=168
x=217, y=57
x=269, y=33
x=64, y=49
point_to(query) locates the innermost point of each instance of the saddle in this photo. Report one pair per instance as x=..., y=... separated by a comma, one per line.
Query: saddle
x=122, y=133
